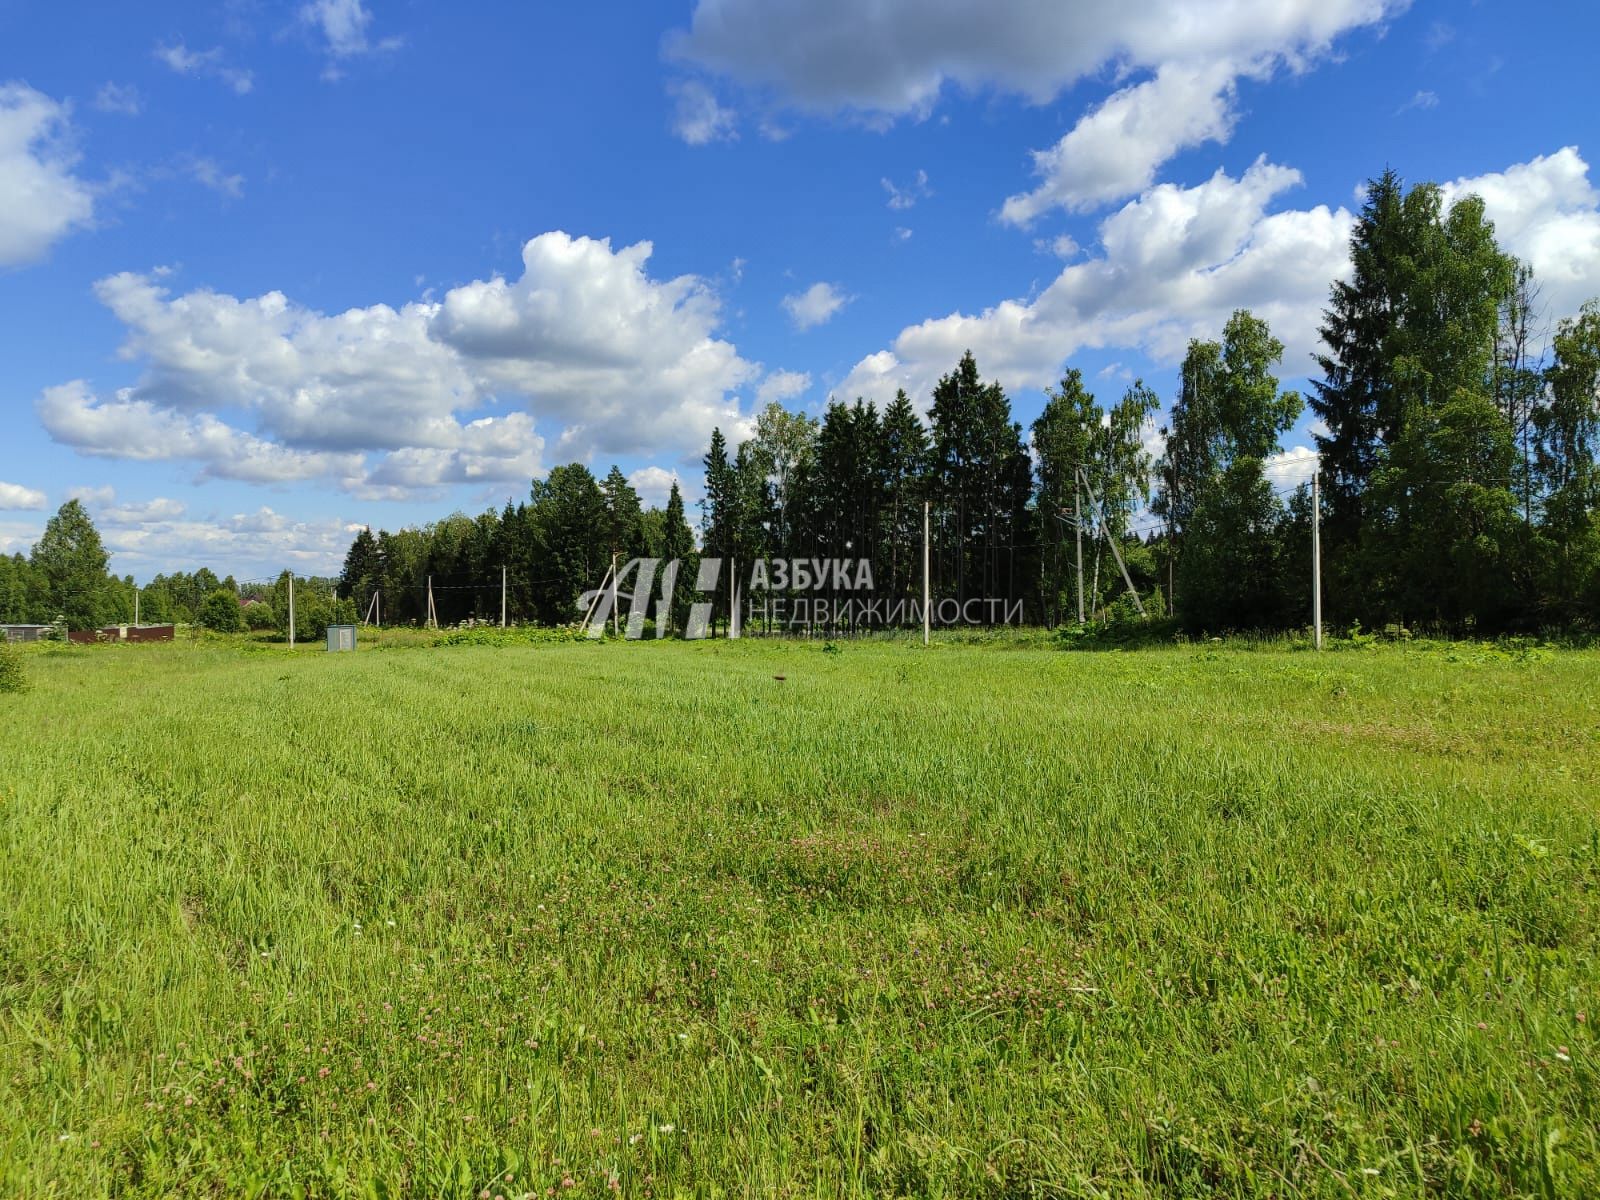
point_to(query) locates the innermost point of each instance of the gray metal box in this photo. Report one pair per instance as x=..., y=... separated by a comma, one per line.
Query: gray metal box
x=341, y=637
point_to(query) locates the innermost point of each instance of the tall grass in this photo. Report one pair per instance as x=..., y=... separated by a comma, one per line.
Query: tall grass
x=499, y=920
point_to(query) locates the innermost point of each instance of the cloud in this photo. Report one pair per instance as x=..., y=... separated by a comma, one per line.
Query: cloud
x=1172, y=265
x=119, y=98
x=1546, y=212
x=624, y=363
x=1115, y=150
x=585, y=351
x=249, y=545
x=93, y=495
x=654, y=485
x=146, y=513
x=782, y=385
x=1062, y=246
x=893, y=58
x=205, y=64
x=491, y=450
x=1292, y=467
x=208, y=173
x=1422, y=100
x=343, y=26
x=817, y=305
x=126, y=428
x=697, y=117
x=41, y=200
x=16, y=497
x=902, y=198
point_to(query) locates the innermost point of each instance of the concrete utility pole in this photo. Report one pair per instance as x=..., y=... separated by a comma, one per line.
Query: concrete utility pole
x=136, y=608
x=433, y=616
x=502, y=597
x=927, y=584
x=1316, y=558
x=291, y=610
x=613, y=595
x=1100, y=519
x=1077, y=524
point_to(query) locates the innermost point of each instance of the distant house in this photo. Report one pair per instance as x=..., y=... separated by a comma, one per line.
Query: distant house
x=23, y=633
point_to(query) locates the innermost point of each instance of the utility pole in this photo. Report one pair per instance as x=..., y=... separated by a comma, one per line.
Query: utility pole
x=1100, y=517
x=613, y=595
x=1316, y=558
x=927, y=585
x=733, y=599
x=135, y=608
x=1077, y=524
x=433, y=616
x=502, y=597
x=291, y=610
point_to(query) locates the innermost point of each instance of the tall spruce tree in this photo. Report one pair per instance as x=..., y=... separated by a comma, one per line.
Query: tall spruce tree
x=905, y=465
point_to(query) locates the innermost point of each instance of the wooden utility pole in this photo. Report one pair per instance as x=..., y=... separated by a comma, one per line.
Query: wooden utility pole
x=1316, y=558
x=927, y=584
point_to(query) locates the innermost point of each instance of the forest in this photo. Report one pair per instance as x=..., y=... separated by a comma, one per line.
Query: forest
x=1456, y=429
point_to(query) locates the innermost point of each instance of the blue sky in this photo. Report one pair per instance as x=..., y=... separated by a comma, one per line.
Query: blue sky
x=272, y=271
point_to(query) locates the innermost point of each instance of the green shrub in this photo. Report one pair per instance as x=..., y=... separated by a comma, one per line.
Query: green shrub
x=220, y=612
x=12, y=676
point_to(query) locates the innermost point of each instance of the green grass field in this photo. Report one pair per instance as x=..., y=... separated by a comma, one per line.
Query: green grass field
x=967, y=921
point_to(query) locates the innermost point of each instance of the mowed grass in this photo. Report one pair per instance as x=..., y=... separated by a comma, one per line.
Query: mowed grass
x=966, y=921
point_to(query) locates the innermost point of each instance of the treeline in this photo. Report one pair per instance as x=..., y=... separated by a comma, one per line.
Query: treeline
x=549, y=549
x=65, y=579
x=1457, y=437
x=1457, y=443
x=65, y=576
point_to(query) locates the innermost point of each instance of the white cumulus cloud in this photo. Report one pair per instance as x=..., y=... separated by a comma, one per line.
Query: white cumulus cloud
x=1546, y=212
x=41, y=200
x=782, y=385
x=585, y=351
x=1172, y=265
x=15, y=496
x=1115, y=150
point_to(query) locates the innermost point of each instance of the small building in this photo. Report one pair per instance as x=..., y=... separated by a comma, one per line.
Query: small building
x=341, y=637
x=123, y=633
x=23, y=633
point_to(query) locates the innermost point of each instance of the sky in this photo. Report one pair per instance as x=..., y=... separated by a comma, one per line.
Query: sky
x=270, y=272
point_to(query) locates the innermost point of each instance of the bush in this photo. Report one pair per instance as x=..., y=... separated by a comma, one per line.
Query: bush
x=12, y=677
x=220, y=612
x=259, y=616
